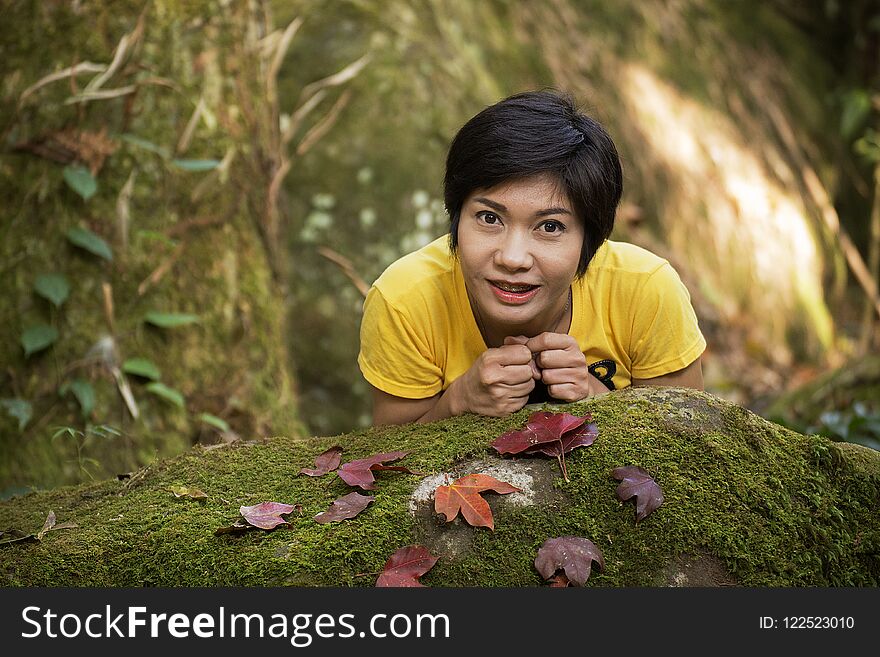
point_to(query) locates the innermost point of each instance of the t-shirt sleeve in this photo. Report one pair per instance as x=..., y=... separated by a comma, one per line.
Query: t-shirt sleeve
x=665, y=334
x=393, y=356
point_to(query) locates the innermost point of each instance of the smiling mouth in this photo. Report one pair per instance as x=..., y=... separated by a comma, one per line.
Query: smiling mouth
x=513, y=293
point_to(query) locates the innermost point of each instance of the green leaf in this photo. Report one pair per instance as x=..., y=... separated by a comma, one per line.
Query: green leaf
x=141, y=367
x=169, y=320
x=166, y=393
x=69, y=431
x=80, y=180
x=84, y=393
x=53, y=287
x=20, y=409
x=147, y=145
x=86, y=239
x=214, y=421
x=38, y=337
x=856, y=107
x=869, y=146
x=196, y=165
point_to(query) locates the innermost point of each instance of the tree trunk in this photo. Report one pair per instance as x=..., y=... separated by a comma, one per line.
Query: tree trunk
x=746, y=502
x=164, y=106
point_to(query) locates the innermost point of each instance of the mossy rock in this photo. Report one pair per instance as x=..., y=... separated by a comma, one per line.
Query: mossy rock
x=746, y=502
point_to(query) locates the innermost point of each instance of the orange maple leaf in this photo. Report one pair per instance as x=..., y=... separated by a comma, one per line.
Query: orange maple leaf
x=463, y=495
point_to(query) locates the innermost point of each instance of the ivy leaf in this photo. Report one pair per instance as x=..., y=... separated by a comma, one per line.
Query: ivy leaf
x=216, y=422
x=571, y=554
x=345, y=507
x=405, y=566
x=166, y=393
x=266, y=515
x=20, y=409
x=80, y=180
x=463, y=495
x=142, y=367
x=170, y=320
x=325, y=462
x=38, y=337
x=639, y=484
x=86, y=239
x=53, y=287
x=84, y=393
x=360, y=472
x=196, y=165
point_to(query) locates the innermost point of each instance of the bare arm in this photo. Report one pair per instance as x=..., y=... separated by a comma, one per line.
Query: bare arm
x=689, y=377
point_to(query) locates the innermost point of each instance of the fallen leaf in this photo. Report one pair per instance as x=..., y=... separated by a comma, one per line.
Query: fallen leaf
x=559, y=581
x=360, y=472
x=49, y=524
x=325, y=462
x=238, y=527
x=571, y=554
x=347, y=506
x=266, y=515
x=405, y=566
x=463, y=495
x=13, y=536
x=637, y=483
x=552, y=434
x=581, y=436
x=190, y=492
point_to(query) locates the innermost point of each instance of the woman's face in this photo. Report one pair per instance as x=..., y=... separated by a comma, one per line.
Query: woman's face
x=519, y=244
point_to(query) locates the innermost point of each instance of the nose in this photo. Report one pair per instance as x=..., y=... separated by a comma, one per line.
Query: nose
x=514, y=252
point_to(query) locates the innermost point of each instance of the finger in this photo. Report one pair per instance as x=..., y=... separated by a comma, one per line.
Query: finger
x=513, y=354
x=536, y=371
x=515, y=339
x=512, y=375
x=548, y=340
x=574, y=375
x=514, y=391
x=567, y=392
x=558, y=358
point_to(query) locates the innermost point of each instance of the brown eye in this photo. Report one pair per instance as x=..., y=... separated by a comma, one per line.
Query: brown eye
x=489, y=217
x=552, y=227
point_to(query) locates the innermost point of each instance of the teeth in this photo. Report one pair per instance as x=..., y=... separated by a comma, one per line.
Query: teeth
x=514, y=288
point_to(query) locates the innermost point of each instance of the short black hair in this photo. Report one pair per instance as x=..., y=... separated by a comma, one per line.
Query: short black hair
x=532, y=133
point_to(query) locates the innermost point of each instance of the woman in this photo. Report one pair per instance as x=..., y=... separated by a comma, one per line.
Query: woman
x=526, y=299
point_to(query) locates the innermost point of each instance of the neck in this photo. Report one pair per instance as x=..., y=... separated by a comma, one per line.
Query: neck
x=559, y=322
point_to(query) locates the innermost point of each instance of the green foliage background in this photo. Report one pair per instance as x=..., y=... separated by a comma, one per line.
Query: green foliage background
x=775, y=104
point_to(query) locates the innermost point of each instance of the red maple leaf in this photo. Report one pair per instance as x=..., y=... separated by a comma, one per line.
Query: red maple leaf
x=325, y=462
x=571, y=554
x=360, y=472
x=405, y=566
x=463, y=495
x=345, y=507
x=637, y=483
x=553, y=434
x=266, y=515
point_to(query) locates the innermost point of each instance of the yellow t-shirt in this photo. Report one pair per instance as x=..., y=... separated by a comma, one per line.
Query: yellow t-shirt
x=631, y=316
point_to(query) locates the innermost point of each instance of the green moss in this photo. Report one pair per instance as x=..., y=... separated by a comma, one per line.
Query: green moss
x=774, y=507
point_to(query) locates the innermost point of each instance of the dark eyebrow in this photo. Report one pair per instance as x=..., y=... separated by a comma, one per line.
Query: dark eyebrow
x=501, y=208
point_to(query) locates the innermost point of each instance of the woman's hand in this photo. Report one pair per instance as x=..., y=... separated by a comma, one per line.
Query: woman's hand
x=563, y=367
x=498, y=383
